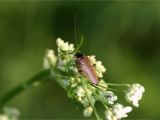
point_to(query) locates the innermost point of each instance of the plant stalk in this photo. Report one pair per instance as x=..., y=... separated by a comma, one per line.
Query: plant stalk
x=34, y=81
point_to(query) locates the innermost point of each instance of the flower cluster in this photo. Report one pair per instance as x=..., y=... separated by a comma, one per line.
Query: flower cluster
x=9, y=114
x=64, y=46
x=117, y=112
x=134, y=94
x=78, y=87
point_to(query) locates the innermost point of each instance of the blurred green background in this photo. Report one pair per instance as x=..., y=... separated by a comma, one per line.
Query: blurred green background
x=124, y=35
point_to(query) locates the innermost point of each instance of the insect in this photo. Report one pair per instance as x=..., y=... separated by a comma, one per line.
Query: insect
x=83, y=63
x=85, y=68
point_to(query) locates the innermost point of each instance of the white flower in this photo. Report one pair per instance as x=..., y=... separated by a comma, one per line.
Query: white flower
x=110, y=96
x=80, y=93
x=3, y=117
x=120, y=111
x=92, y=59
x=134, y=94
x=109, y=115
x=100, y=69
x=64, y=46
x=10, y=114
x=49, y=59
x=88, y=111
x=117, y=112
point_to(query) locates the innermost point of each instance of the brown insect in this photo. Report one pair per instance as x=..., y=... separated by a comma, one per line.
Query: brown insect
x=85, y=68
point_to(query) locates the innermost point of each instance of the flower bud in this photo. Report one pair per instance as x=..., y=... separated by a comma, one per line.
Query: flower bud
x=49, y=59
x=88, y=111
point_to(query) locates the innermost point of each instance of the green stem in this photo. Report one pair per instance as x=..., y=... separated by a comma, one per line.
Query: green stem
x=113, y=84
x=94, y=109
x=32, y=82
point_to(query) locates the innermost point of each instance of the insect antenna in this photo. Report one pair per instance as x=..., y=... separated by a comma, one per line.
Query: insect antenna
x=75, y=31
x=77, y=46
